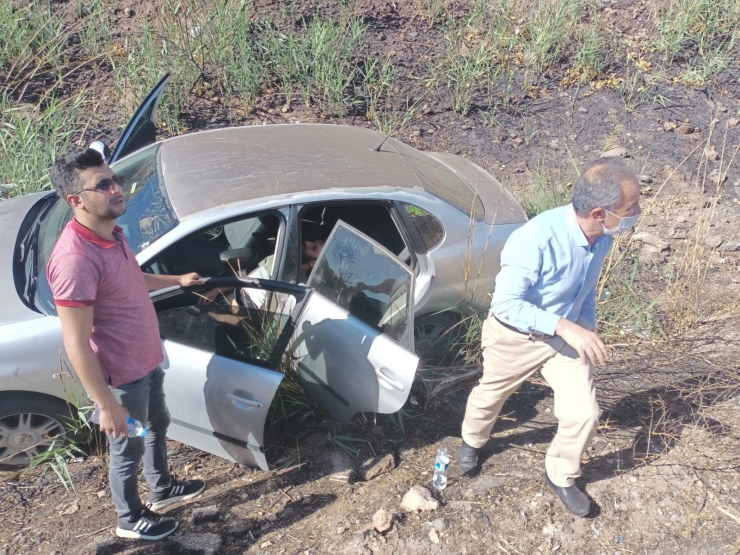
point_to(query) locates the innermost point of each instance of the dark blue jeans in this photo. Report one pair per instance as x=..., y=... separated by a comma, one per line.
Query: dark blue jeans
x=145, y=402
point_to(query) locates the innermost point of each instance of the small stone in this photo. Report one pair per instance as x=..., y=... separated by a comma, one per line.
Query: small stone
x=272, y=517
x=716, y=177
x=582, y=110
x=644, y=178
x=263, y=545
x=730, y=246
x=733, y=122
x=240, y=526
x=383, y=521
x=652, y=240
x=206, y=514
x=418, y=498
x=441, y=524
x=713, y=241
x=102, y=493
x=518, y=141
x=711, y=153
x=70, y=509
x=615, y=152
x=685, y=129
x=434, y=536
x=285, y=109
x=375, y=467
x=196, y=544
x=340, y=530
x=412, y=34
x=669, y=126
x=553, y=145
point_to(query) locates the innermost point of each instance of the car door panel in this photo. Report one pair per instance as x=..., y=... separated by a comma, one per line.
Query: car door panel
x=222, y=411
x=140, y=130
x=353, y=347
x=221, y=363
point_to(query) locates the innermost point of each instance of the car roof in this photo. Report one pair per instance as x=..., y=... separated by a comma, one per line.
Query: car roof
x=212, y=168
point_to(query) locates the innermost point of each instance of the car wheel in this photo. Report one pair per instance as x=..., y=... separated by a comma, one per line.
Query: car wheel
x=430, y=330
x=30, y=425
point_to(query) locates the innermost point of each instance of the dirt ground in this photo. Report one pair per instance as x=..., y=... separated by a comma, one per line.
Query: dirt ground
x=663, y=469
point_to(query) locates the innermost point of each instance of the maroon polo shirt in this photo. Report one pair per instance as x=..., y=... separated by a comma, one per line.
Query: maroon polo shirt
x=87, y=270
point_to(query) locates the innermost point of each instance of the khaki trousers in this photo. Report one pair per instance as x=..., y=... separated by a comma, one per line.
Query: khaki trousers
x=509, y=358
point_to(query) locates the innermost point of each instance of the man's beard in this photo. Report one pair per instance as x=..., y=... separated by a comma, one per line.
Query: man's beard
x=111, y=212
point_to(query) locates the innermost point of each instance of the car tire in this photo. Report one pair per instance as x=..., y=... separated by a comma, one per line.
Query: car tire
x=29, y=425
x=431, y=331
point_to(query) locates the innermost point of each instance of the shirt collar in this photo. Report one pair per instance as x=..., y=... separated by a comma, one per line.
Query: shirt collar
x=89, y=235
x=574, y=229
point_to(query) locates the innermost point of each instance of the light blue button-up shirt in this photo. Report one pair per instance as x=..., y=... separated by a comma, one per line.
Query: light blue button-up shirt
x=549, y=272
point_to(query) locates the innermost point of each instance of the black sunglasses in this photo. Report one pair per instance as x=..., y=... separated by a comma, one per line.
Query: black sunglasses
x=104, y=185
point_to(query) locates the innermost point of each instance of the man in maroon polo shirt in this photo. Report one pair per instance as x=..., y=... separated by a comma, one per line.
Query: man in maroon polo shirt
x=112, y=338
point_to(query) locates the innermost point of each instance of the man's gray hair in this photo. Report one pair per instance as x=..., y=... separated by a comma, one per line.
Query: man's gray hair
x=600, y=185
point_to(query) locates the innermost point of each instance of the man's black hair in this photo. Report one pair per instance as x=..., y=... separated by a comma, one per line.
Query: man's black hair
x=65, y=172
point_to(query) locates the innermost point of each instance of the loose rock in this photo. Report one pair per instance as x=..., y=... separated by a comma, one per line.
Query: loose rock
x=582, y=110
x=196, y=544
x=733, y=122
x=554, y=144
x=716, y=177
x=285, y=109
x=383, y=521
x=240, y=526
x=434, y=536
x=711, y=153
x=669, y=126
x=685, y=129
x=375, y=467
x=653, y=240
x=441, y=524
x=518, y=141
x=205, y=514
x=713, y=241
x=418, y=498
x=644, y=178
x=730, y=246
x=614, y=152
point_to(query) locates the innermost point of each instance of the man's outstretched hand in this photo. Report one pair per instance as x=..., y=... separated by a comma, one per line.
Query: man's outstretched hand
x=188, y=280
x=585, y=342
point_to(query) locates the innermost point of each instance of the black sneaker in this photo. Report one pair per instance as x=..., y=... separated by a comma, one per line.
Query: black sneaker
x=178, y=491
x=146, y=526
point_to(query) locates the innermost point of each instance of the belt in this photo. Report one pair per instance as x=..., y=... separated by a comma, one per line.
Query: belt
x=530, y=336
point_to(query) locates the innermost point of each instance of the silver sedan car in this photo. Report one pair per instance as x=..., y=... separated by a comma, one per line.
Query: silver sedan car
x=405, y=235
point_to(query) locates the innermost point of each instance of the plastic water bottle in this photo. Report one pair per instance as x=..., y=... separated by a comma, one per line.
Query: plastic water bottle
x=440, y=470
x=135, y=429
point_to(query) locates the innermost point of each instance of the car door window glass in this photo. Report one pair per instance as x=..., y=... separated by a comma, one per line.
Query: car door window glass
x=243, y=248
x=243, y=324
x=430, y=228
x=366, y=280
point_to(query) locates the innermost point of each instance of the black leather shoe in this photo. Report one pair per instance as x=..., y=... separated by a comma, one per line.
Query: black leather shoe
x=468, y=459
x=573, y=498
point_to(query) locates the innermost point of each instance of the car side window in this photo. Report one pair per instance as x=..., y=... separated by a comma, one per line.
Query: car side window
x=243, y=324
x=365, y=280
x=430, y=228
x=244, y=247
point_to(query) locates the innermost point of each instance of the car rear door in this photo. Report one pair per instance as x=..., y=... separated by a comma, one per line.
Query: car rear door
x=353, y=348
x=222, y=362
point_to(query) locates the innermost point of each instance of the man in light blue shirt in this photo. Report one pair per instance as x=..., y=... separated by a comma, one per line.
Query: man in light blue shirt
x=542, y=316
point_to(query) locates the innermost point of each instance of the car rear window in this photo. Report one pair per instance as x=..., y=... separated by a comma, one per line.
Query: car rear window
x=441, y=181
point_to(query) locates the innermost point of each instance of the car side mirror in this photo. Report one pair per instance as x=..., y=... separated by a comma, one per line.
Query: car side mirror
x=244, y=259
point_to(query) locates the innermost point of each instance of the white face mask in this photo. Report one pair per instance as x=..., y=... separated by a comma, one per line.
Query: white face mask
x=625, y=224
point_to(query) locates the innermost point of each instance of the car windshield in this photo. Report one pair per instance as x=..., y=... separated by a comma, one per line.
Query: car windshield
x=148, y=216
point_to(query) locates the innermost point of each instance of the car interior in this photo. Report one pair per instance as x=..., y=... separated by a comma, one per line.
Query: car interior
x=235, y=248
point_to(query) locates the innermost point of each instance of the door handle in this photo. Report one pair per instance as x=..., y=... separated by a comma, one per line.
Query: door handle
x=387, y=381
x=60, y=375
x=244, y=404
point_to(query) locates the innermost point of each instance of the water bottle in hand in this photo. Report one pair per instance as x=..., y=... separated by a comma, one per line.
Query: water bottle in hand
x=135, y=429
x=440, y=470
